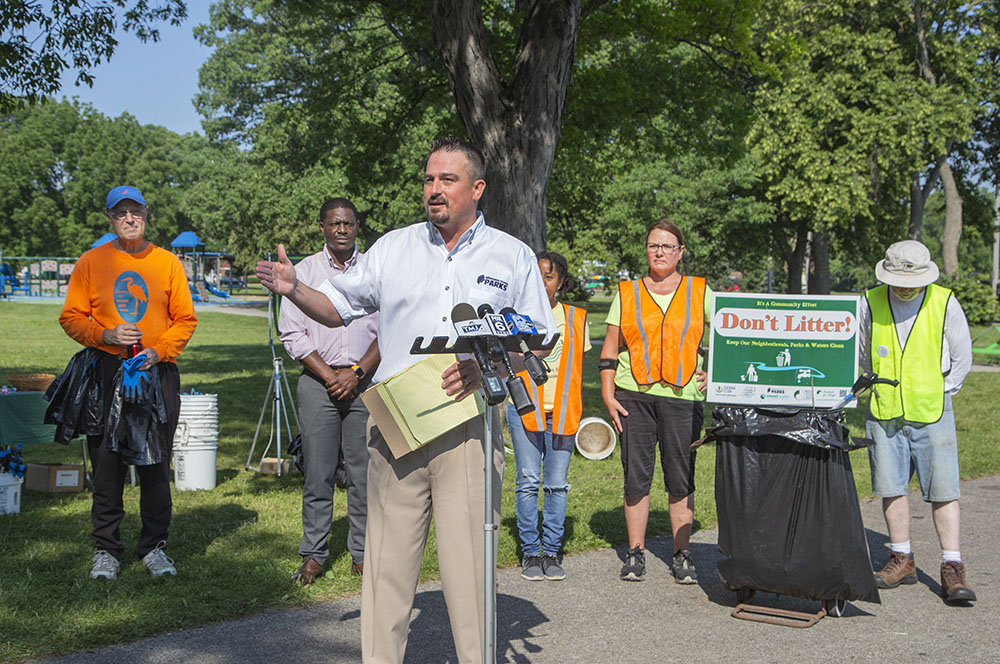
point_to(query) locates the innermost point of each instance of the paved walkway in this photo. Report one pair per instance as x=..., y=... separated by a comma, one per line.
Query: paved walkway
x=593, y=617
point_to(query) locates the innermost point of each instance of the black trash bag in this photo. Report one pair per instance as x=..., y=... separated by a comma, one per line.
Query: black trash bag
x=77, y=404
x=295, y=451
x=138, y=427
x=822, y=428
x=789, y=519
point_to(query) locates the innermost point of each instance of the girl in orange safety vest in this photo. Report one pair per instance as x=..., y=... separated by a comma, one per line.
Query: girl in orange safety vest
x=543, y=438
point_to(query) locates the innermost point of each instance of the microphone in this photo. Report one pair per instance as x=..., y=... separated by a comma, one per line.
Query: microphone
x=463, y=316
x=521, y=325
x=515, y=384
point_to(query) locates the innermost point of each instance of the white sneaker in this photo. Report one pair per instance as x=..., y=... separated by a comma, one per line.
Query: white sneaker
x=106, y=566
x=158, y=563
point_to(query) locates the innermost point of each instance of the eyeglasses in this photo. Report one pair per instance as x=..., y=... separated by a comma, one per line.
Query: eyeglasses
x=121, y=214
x=665, y=248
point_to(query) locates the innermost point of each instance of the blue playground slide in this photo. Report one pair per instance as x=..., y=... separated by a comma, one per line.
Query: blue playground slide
x=215, y=291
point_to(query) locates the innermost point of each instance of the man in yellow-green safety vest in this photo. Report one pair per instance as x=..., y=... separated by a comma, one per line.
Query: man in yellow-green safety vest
x=915, y=331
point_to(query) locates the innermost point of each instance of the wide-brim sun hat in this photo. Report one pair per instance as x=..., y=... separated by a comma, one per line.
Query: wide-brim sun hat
x=907, y=264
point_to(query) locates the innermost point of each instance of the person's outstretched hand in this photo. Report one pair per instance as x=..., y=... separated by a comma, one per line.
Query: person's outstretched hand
x=279, y=278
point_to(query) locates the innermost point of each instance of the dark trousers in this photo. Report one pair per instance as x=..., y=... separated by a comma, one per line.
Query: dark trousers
x=329, y=427
x=155, y=505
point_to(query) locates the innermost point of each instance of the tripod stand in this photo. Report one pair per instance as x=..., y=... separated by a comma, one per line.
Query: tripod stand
x=277, y=393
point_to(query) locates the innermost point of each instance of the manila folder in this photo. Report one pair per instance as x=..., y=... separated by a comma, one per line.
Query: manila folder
x=410, y=408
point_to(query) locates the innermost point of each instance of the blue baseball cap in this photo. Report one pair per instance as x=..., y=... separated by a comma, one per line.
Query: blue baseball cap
x=119, y=194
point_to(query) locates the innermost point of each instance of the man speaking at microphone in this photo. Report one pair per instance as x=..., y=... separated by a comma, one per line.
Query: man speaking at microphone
x=414, y=276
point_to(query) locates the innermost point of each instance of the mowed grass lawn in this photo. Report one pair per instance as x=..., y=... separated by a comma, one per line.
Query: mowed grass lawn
x=235, y=546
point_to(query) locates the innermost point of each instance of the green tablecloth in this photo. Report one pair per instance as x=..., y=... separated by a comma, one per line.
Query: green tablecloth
x=21, y=419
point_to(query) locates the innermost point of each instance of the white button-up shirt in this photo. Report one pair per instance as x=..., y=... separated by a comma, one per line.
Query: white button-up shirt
x=411, y=278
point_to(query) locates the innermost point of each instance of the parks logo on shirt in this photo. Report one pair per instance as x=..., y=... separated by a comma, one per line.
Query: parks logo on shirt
x=131, y=296
x=491, y=281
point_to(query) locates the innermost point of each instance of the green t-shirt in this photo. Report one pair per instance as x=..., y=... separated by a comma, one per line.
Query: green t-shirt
x=623, y=375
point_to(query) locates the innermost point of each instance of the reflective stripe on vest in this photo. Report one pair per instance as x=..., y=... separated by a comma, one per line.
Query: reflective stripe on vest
x=567, y=408
x=919, y=397
x=663, y=346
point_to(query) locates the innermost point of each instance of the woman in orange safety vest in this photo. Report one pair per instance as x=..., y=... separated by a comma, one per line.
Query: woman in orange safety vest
x=652, y=388
x=544, y=436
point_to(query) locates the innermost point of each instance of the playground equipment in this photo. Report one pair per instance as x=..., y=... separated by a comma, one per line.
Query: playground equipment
x=37, y=276
x=994, y=348
x=195, y=263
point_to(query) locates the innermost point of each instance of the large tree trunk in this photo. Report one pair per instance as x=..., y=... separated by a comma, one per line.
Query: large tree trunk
x=795, y=258
x=952, y=233
x=819, y=275
x=516, y=123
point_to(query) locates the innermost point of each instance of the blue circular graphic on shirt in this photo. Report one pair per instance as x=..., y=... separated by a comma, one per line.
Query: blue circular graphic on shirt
x=131, y=296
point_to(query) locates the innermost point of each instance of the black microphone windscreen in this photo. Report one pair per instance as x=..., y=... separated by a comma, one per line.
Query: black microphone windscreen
x=507, y=310
x=484, y=309
x=462, y=311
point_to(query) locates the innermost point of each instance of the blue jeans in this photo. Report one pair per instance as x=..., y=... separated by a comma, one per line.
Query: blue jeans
x=531, y=449
x=903, y=447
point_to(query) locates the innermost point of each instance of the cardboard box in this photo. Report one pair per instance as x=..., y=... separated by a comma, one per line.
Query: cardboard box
x=54, y=477
x=269, y=466
x=10, y=494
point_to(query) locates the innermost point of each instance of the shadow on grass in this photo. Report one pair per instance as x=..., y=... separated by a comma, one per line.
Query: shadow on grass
x=213, y=547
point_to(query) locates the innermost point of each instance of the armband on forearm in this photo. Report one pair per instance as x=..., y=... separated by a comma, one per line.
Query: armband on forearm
x=607, y=364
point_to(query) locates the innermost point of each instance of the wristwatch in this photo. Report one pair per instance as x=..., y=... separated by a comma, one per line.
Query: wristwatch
x=358, y=371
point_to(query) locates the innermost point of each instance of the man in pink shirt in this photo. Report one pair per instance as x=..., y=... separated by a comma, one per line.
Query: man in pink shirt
x=336, y=366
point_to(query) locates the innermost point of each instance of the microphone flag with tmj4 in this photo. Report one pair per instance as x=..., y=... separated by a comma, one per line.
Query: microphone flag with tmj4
x=498, y=352
x=477, y=332
x=521, y=325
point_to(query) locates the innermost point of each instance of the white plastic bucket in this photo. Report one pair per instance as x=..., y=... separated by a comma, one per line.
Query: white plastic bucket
x=10, y=494
x=199, y=420
x=194, y=467
x=595, y=439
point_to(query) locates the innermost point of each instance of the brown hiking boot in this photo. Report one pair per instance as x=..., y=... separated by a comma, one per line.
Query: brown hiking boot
x=953, y=583
x=901, y=568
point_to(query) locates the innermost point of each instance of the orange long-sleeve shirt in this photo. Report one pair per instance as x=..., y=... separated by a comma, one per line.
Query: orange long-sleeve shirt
x=109, y=287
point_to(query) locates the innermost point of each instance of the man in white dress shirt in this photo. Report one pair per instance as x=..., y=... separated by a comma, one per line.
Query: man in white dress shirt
x=414, y=276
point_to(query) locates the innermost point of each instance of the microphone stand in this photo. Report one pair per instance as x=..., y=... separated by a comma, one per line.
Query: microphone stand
x=463, y=345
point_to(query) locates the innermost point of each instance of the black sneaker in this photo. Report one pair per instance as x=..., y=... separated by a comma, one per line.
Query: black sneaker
x=531, y=568
x=551, y=568
x=682, y=568
x=635, y=565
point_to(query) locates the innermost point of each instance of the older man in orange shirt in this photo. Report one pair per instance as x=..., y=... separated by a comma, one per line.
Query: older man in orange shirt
x=130, y=298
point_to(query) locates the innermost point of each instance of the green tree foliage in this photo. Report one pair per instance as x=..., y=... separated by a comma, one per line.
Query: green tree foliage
x=978, y=300
x=58, y=161
x=366, y=85
x=848, y=116
x=38, y=43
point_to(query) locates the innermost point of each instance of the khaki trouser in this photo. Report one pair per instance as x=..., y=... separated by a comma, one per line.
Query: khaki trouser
x=443, y=479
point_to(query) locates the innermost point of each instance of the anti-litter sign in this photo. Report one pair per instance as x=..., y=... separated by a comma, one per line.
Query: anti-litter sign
x=782, y=350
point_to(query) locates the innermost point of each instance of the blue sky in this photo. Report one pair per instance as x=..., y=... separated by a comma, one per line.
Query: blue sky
x=166, y=71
